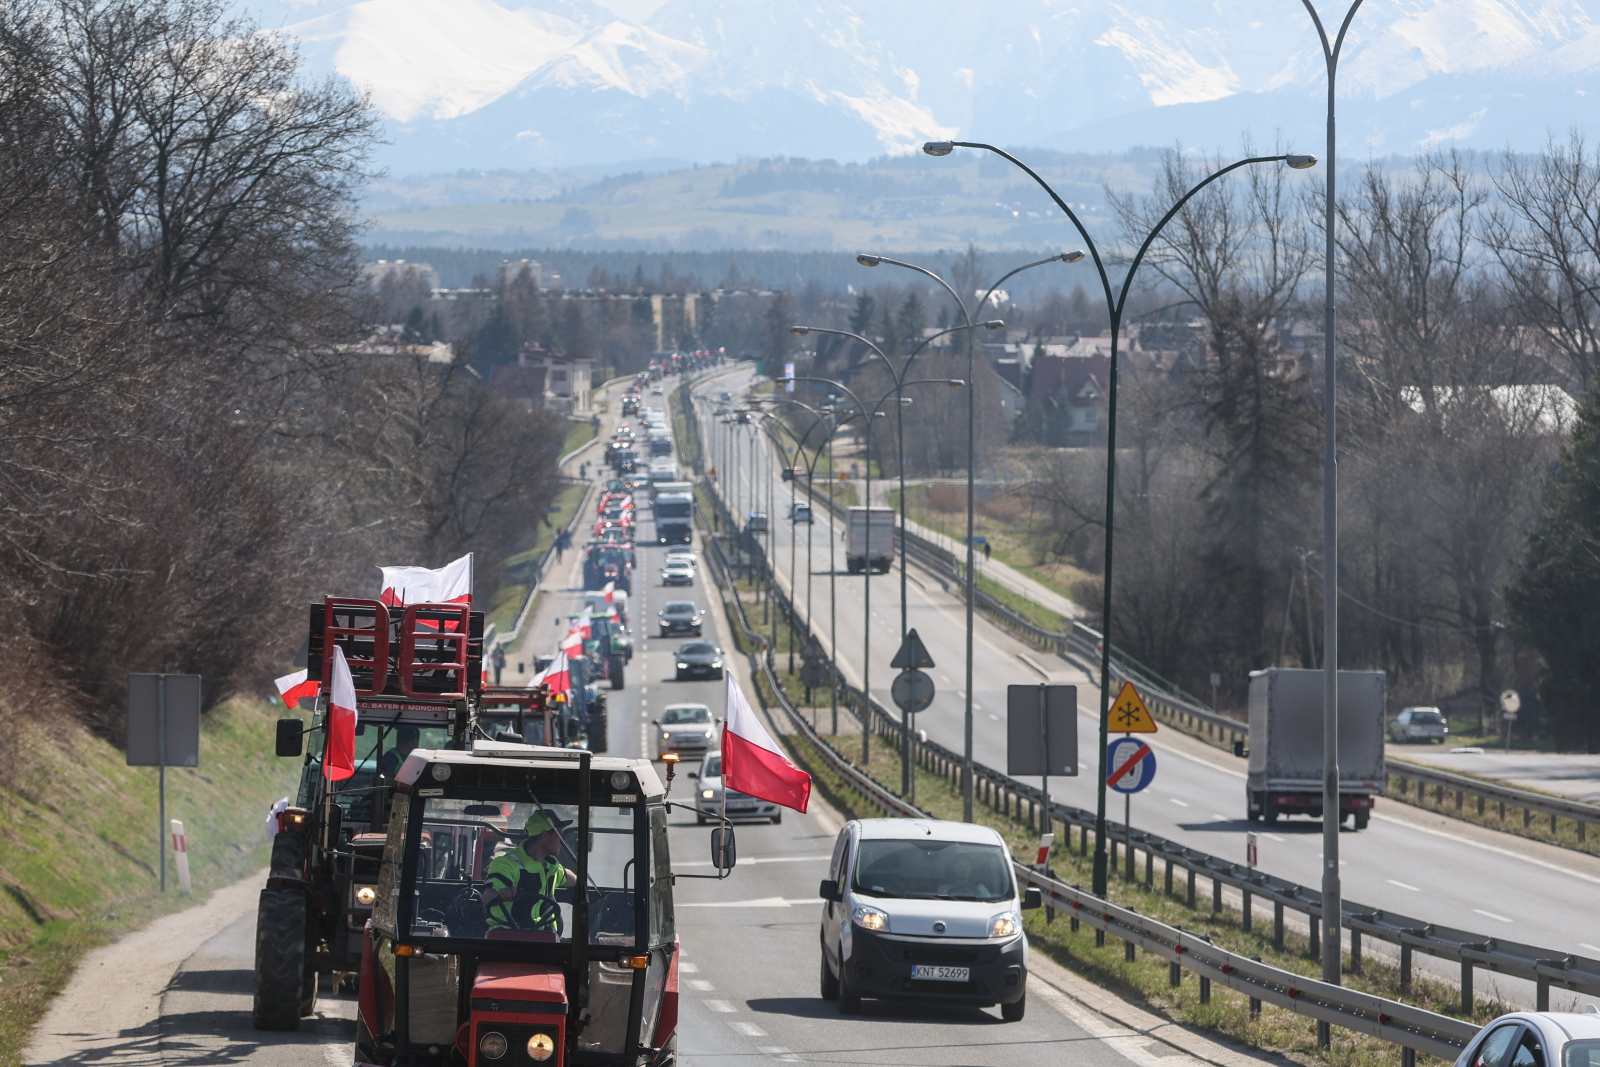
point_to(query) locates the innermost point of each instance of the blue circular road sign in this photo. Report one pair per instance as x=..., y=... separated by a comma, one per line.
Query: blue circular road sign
x=1130, y=765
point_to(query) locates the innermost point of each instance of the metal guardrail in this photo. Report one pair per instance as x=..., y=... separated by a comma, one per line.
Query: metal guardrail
x=1472, y=951
x=1413, y=1028
x=1585, y=815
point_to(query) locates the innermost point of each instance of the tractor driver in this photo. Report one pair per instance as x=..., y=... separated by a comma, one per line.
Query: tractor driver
x=523, y=882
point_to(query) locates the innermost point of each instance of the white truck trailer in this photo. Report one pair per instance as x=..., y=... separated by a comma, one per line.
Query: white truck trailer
x=1285, y=756
x=869, y=539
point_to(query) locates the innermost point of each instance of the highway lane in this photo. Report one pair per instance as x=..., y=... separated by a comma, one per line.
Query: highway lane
x=749, y=989
x=1423, y=866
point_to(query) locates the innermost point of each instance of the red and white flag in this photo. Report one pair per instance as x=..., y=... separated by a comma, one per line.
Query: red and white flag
x=450, y=584
x=573, y=643
x=558, y=676
x=339, y=758
x=751, y=762
x=292, y=687
x=610, y=588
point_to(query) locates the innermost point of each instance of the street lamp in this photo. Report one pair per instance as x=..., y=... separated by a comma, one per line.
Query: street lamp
x=1116, y=304
x=898, y=377
x=871, y=415
x=1332, y=905
x=867, y=260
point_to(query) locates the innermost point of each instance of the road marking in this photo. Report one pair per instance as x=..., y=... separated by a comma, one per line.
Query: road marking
x=701, y=984
x=763, y=902
x=1508, y=853
x=1402, y=885
x=1492, y=915
x=783, y=1055
x=761, y=859
x=1220, y=818
x=748, y=1029
x=1591, y=948
x=1180, y=803
x=688, y=968
x=719, y=1005
x=996, y=718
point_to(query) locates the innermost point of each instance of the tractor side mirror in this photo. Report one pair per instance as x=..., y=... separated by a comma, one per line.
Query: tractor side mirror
x=1032, y=898
x=829, y=890
x=335, y=824
x=723, y=853
x=291, y=734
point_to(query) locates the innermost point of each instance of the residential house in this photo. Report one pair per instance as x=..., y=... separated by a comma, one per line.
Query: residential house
x=568, y=379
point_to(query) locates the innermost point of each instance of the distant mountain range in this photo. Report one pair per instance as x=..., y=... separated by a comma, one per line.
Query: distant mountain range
x=562, y=83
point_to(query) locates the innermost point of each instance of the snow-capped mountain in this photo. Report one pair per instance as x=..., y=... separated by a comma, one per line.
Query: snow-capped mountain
x=526, y=83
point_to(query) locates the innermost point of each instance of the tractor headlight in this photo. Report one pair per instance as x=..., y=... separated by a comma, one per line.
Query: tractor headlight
x=492, y=1045
x=1004, y=925
x=365, y=895
x=541, y=1047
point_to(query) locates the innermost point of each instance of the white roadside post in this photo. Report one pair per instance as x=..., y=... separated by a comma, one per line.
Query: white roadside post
x=180, y=851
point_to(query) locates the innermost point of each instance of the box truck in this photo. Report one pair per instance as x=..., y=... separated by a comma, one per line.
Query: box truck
x=1285, y=754
x=869, y=539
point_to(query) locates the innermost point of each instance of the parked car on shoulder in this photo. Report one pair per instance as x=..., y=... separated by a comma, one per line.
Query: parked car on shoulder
x=1419, y=724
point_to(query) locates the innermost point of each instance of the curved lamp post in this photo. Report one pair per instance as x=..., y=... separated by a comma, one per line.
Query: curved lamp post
x=1332, y=935
x=871, y=414
x=972, y=463
x=898, y=377
x=1116, y=304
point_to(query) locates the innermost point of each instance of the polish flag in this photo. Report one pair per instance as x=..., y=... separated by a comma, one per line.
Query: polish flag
x=558, y=676
x=751, y=762
x=573, y=642
x=450, y=584
x=608, y=590
x=292, y=687
x=339, y=758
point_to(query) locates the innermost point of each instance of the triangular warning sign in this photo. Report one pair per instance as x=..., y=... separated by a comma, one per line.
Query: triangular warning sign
x=913, y=654
x=1129, y=715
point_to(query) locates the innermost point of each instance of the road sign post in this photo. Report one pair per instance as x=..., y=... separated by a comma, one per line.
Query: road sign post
x=163, y=731
x=912, y=691
x=1510, y=704
x=1042, y=735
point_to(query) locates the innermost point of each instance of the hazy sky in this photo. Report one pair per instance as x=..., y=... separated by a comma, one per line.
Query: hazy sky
x=632, y=10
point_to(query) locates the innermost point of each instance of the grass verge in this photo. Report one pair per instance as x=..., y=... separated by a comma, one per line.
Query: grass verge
x=517, y=575
x=578, y=435
x=78, y=838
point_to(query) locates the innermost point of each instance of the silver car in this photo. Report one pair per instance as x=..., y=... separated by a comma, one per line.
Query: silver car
x=687, y=729
x=1536, y=1039
x=709, y=796
x=1419, y=724
x=677, y=572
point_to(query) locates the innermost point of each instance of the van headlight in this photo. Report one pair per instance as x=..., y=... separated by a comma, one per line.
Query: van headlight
x=709, y=735
x=666, y=737
x=708, y=794
x=869, y=918
x=1005, y=924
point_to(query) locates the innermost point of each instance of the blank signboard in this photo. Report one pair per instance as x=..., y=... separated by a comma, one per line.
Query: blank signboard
x=1025, y=753
x=182, y=719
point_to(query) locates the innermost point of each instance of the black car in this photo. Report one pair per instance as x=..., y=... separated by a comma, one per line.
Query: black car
x=699, y=659
x=680, y=616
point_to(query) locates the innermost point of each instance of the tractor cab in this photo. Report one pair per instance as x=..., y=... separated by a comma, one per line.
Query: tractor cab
x=417, y=673
x=577, y=966
x=522, y=715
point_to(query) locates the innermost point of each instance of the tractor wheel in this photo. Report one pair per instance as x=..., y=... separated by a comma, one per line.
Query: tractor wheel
x=280, y=959
x=598, y=741
x=287, y=849
x=616, y=674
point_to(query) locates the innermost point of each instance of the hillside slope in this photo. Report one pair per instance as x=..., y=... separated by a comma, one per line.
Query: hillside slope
x=78, y=860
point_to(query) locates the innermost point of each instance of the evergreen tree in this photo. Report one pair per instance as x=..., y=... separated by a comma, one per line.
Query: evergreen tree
x=1554, y=599
x=861, y=317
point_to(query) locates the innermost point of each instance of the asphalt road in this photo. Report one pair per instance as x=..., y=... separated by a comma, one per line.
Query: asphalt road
x=1571, y=774
x=749, y=989
x=1408, y=863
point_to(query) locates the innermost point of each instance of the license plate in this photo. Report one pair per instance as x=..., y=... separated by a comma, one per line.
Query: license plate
x=936, y=973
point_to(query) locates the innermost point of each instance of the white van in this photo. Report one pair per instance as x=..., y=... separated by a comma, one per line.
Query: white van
x=924, y=910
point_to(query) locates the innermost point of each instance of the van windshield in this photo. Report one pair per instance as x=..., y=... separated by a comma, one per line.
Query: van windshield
x=933, y=870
